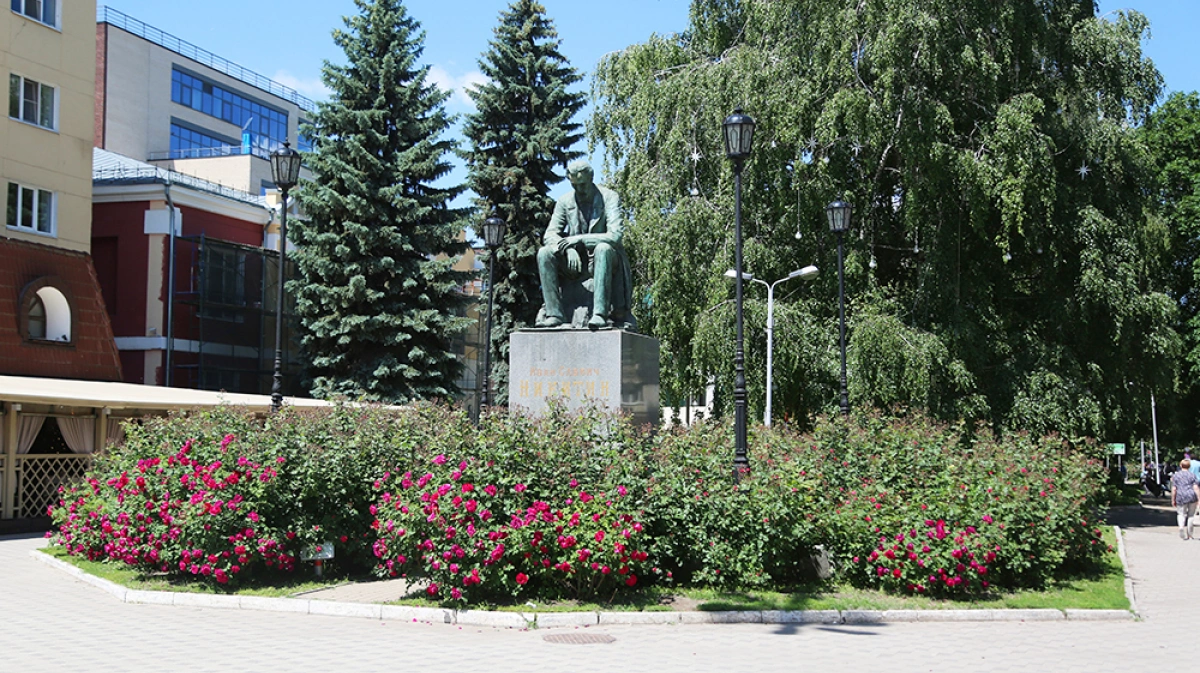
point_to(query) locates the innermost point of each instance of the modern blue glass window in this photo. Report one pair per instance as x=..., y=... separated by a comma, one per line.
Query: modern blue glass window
x=304, y=143
x=188, y=143
x=266, y=126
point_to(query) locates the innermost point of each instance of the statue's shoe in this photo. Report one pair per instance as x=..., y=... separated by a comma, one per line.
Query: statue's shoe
x=597, y=322
x=549, y=322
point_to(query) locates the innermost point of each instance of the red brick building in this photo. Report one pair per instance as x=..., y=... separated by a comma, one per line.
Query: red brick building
x=213, y=326
x=54, y=322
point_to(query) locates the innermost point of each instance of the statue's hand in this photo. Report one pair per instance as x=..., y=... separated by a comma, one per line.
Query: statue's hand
x=574, y=263
x=565, y=243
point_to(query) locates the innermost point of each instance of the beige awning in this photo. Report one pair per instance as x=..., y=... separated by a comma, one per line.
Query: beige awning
x=73, y=393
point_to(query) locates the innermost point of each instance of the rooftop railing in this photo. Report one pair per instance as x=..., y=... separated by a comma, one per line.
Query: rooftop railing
x=141, y=175
x=184, y=48
x=210, y=152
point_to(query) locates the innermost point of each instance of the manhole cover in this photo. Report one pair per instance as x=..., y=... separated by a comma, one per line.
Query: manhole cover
x=579, y=638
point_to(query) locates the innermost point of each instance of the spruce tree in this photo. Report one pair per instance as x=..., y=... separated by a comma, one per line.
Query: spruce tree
x=520, y=135
x=375, y=293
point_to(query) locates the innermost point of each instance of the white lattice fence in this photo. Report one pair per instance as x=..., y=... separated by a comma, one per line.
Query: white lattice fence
x=38, y=479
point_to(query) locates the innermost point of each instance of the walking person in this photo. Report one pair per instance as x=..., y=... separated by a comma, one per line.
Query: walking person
x=1185, y=492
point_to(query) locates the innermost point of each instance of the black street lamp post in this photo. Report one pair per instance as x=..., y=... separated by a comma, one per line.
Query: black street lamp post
x=739, y=135
x=838, y=214
x=493, y=237
x=285, y=171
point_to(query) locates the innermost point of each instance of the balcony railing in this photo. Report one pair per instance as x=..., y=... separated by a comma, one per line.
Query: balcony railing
x=210, y=152
x=182, y=47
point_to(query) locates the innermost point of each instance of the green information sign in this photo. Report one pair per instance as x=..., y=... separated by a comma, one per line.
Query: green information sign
x=1116, y=449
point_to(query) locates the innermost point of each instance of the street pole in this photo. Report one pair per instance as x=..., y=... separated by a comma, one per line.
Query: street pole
x=1154, y=424
x=277, y=382
x=845, y=401
x=770, y=348
x=485, y=396
x=741, y=460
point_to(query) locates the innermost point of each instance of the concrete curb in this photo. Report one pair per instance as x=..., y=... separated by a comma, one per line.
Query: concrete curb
x=524, y=620
x=1133, y=608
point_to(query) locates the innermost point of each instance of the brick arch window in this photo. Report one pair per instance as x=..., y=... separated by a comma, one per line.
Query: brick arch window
x=46, y=313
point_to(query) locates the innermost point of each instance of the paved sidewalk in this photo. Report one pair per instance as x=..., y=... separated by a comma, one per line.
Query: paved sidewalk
x=52, y=622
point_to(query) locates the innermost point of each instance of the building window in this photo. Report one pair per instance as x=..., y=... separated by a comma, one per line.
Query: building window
x=37, y=319
x=46, y=313
x=45, y=11
x=30, y=209
x=267, y=127
x=189, y=144
x=31, y=101
x=304, y=141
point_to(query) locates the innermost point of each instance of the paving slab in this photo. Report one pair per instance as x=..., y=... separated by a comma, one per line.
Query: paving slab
x=639, y=617
x=556, y=619
x=40, y=603
x=340, y=609
x=801, y=617
x=405, y=613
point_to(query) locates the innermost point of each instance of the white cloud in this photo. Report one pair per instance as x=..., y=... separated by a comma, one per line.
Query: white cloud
x=312, y=88
x=457, y=85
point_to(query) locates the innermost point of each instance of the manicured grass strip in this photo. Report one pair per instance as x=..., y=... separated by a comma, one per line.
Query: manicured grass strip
x=132, y=579
x=1104, y=590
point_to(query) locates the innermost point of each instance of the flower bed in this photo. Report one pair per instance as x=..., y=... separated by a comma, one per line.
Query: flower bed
x=583, y=507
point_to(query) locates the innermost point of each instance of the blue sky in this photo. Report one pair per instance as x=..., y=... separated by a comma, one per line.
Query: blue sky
x=289, y=41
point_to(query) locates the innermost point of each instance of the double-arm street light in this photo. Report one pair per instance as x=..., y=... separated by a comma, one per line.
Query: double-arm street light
x=493, y=237
x=807, y=273
x=838, y=213
x=285, y=171
x=739, y=135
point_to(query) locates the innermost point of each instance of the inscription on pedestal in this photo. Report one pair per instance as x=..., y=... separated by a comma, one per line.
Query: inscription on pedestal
x=615, y=369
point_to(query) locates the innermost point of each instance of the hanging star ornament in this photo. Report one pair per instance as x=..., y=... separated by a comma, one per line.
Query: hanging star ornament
x=857, y=148
x=696, y=156
x=1083, y=171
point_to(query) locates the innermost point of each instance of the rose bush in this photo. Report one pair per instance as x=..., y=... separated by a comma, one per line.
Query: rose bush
x=471, y=540
x=582, y=505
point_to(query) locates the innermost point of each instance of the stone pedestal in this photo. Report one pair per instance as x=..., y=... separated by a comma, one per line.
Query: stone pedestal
x=616, y=369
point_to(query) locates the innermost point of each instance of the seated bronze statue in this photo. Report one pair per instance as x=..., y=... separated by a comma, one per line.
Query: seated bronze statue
x=582, y=251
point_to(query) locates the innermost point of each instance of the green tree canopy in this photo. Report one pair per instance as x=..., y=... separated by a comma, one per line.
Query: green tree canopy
x=376, y=296
x=999, y=262
x=520, y=135
x=1172, y=134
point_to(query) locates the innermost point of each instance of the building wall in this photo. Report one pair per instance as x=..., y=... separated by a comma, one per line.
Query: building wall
x=131, y=248
x=91, y=353
x=134, y=99
x=58, y=160
x=244, y=171
x=117, y=231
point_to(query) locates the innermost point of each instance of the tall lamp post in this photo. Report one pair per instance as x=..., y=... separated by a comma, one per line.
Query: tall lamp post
x=739, y=135
x=807, y=273
x=838, y=214
x=285, y=171
x=493, y=236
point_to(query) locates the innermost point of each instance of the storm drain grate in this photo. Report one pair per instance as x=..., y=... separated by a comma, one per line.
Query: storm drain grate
x=579, y=638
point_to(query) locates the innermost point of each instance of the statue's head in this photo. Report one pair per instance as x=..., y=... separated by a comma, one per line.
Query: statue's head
x=579, y=172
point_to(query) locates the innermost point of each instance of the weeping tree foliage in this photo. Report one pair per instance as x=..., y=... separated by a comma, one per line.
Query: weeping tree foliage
x=376, y=294
x=1172, y=134
x=997, y=267
x=520, y=137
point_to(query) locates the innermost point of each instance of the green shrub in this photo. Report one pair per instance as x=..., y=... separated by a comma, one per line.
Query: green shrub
x=582, y=505
x=226, y=495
